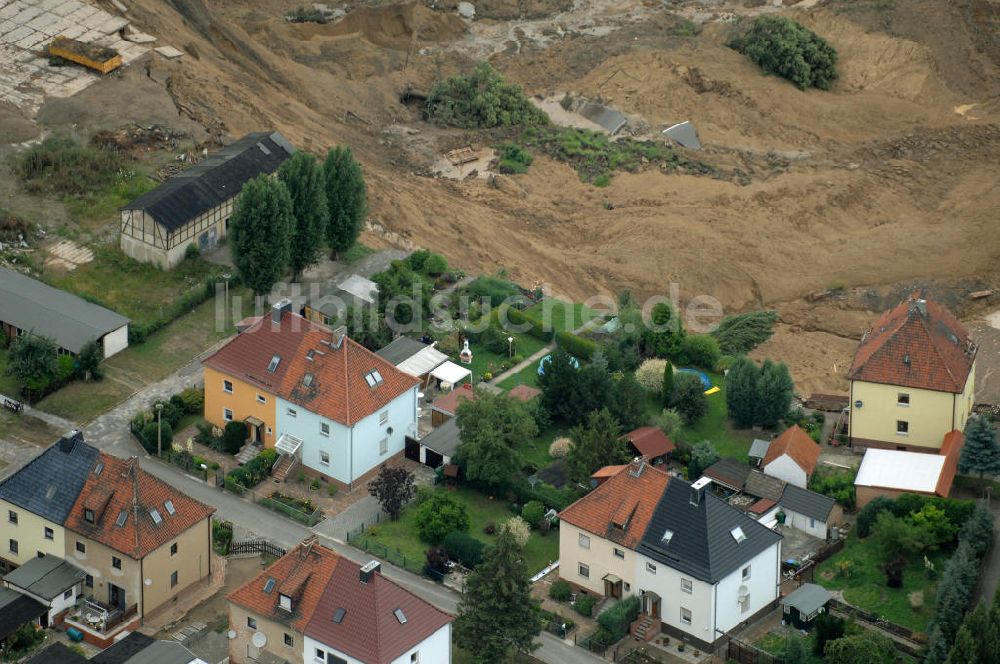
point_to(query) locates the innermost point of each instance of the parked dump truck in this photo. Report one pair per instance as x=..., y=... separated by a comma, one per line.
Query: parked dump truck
x=99, y=58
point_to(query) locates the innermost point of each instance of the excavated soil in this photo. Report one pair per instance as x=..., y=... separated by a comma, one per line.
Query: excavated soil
x=887, y=179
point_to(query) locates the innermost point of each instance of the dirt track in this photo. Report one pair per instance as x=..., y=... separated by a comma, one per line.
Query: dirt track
x=888, y=179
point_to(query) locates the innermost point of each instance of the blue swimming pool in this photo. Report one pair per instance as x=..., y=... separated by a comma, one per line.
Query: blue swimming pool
x=706, y=382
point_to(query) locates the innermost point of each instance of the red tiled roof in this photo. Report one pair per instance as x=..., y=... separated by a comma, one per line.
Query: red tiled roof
x=448, y=403
x=369, y=630
x=606, y=472
x=762, y=505
x=951, y=448
x=301, y=574
x=797, y=444
x=650, y=441
x=597, y=511
x=917, y=344
x=123, y=487
x=339, y=389
x=524, y=393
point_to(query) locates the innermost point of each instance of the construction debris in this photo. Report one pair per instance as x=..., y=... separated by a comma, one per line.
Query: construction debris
x=684, y=134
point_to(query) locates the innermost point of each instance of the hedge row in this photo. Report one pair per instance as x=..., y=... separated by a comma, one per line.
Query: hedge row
x=619, y=617
x=254, y=472
x=548, y=495
x=186, y=303
x=518, y=317
x=576, y=345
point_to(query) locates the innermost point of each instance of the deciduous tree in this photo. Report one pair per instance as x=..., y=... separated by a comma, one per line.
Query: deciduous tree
x=560, y=389
x=33, y=360
x=346, y=199
x=596, y=444
x=393, y=488
x=703, y=455
x=775, y=390
x=689, y=397
x=306, y=185
x=864, y=648
x=627, y=402
x=493, y=429
x=440, y=514
x=260, y=232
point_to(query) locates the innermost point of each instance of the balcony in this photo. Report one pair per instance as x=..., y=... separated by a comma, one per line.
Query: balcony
x=98, y=620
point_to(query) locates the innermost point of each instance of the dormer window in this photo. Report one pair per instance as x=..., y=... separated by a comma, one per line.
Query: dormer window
x=273, y=365
x=311, y=355
x=285, y=602
x=122, y=518
x=88, y=515
x=667, y=536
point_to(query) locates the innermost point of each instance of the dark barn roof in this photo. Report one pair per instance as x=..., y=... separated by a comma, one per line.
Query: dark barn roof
x=809, y=503
x=400, y=349
x=58, y=653
x=123, y=650
x=49, y=484
x=17, y=609
x=213, y=181
x=445, y=439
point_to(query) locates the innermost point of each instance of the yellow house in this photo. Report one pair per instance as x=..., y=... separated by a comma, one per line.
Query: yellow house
x=598, y=534
x=912, y=379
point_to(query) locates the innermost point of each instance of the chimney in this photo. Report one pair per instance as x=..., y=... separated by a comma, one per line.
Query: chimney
x=279, y=309
x=338, y=336
x=918, y=306
x=369, y=570
x=698, y=490
x=69, y=441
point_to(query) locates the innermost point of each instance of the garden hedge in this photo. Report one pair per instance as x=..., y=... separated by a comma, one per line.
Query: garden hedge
x=576, y=345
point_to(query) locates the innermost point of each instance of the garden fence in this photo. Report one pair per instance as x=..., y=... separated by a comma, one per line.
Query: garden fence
x=393, y=556
x=256, y=546
x=744, y=653
x=591, y=644
x=907, y=640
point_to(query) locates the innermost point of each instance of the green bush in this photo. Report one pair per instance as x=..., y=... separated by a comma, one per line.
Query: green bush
x=584, y=605
x=435, y=264
x=576, y=345
x=463, y=548
x=519, y=318
x=222, y=536
x=440, y=514
x=533, y=513
x=548, y=495
x=193, y=400
x=493, y=289
x=781, y=46
x=870, y=512
x=701, y=350
x=514, y=159
x=481, y=99
x=619, y=617
x=560, y=590
x=837, y=484
x=233, y=437
x=149, y=436
x=61, y=165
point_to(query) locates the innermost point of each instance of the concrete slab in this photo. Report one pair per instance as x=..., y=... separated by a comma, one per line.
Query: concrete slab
x=73, y=31
x=49, y=5
x=133, y=52
x=6, y=27
x=140, y=38
x=82, y=13
x=120, y=6
x=42, y=21
x=169, y=52
x=95, y=20
x=11, y=10
x=90, y=35
x=112, y=25
x=27, y=13
x=66, y=8
x=18, y=34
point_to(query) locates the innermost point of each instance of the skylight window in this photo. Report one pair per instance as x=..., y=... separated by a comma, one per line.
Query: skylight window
x=169, y=506
x=269, y=586
x=400, y=616
x=307, y=380
x=667, y=536
x=50, y=492
x=273, y=366
x=122, y=518
x=155, y=514
x=310, y=354
x=263, y=148
x=373, y=378
x=98, y=468
x=338, y=615
x=738, y=534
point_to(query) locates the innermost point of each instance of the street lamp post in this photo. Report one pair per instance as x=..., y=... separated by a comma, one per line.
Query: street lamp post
x=159, y=429
x=510, y=347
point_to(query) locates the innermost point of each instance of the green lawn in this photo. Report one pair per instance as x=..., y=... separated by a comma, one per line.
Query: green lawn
x=866, y=589
x=401, y=536
x=715, y=426
x=484, y=360
x=526, y=376
x=560, y=316
x=774, y=643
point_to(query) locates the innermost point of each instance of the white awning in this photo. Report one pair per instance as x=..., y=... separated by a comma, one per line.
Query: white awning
x=423, y=362
x=449, y=372
x=288, y=444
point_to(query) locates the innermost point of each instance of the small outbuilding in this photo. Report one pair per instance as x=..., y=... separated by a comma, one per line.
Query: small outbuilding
x=792, y=457
x=650, y=442
x=17, y=610
x=803, y=605
x=51, y=581
x=445, y=407
x=413, y=357
x=891, y=473
x=439, y=446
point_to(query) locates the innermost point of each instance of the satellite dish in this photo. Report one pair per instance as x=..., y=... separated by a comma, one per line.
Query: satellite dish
x=231, y=634
x=147, y=582
x=259, y=639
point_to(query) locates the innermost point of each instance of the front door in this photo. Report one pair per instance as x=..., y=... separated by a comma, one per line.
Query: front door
x=612, y=588
x=651, y=605
x=116, y=596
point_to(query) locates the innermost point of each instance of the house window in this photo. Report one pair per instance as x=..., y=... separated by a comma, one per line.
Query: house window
x=13, y=546
x=651, y=568
x=173, y=549
x=68, y=594
x=227, y=415
x=415, y=658
x=383, y=446
x=81, y=547
x=902, y=428
x=324, y=458
x=746, y=572
x=12, y=516
x=227, y=386
x=584, y=571
x=292, y=412
x=88, y=515
x=685, y=616
x=324, y=429
x=619, y=553
x=627, y=587
x=116, y=562
x=269, y=431
x=285, y=602
x=583, y=541
x=812, y=522
x=902, y=399
x=261, y=398
x=687, y=586
x=251, y=622
x=320, y=655
x=89, y=581
x=173, y=579
x=383, y=417
x=49, y=534
x=289, y=641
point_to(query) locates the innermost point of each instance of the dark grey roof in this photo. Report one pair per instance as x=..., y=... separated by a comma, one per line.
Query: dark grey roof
x=336, y=301
x=162, y=652
x=764, y=486
x=729, y=472
x=811, y=504
x=49, y=484
x=124, y=650
x=213, y=181
x=46, y=577
x=17, y=609
x=58, y=653
x=807, y=598
x=702, y=543
x=34, y=306
x=758, y=448
x=400, y=349
x=445, y=439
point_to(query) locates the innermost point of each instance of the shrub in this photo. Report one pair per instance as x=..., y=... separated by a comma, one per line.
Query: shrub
x=519, y=528
x=781, y=46
x=193, y=400
x=533, y=512
x=869, y=513
x=435, y=264
x=481, y=99
x=463, y=548
x=331, y=489
x=584, y=605
x=828, y=628
x=576, y=345
x=701, y=350
x=669, y=421
x=166, y=436
x=548, y=495
x=61, y=165
x=560, y=590
x=307, y=15
x=689, y=398
x=437, y=559
x=836, y=484
x=233, y=437
x=560, y=447
x=650, y=375
x=617, y=619
x=440, y=514
x=514, y=159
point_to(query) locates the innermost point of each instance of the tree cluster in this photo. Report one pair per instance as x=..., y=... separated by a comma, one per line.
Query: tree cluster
x=784, y=47
x=758, y=395
x=35, y=362
x=481, y=99
x=978, y=639
x=494, y=429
